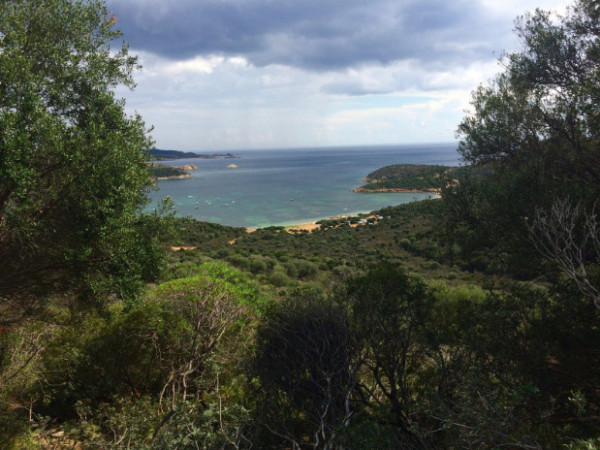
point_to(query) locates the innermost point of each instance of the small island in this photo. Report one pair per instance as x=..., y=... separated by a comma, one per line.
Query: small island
x=405, y=178
x=160, y=171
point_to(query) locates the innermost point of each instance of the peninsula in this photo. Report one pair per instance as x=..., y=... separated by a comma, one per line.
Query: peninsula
x=160, y=171
x=157, y=154
x=405, y=178
x=165, y=172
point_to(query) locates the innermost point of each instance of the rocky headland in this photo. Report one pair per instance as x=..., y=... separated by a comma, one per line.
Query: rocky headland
x=165, y=172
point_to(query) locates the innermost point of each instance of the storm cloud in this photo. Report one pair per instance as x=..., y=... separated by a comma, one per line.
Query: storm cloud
x=234, y=74
x=313, y=34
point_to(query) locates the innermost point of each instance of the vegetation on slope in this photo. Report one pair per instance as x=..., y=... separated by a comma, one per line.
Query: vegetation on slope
x=409, y=177
x=468, y=321
x=162, y=171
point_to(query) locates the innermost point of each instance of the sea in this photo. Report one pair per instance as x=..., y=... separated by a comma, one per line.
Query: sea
x=292, y=186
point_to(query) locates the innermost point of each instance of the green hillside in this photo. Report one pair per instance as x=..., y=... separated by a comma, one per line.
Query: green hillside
x=164, y=171
x=406, y=177
x=468, y=321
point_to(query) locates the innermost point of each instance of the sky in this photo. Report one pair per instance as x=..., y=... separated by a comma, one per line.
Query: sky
x=253, y=74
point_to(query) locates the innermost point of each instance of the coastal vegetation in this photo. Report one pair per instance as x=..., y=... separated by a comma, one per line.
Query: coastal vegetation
x=73, y=174
x=160, y=171
x=164, y=172
x=406, y=177
x=158, y=154
x=465, y=321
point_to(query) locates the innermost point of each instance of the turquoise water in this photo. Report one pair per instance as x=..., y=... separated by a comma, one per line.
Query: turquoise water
x=282, y=187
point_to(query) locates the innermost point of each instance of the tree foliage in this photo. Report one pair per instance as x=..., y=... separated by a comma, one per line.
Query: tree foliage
x=388, y=313
x=406, y=176
x=533, y=133
x=366, y=355
x=72, y=166
x=545, y=102
x=176, y=354
x=303, y=364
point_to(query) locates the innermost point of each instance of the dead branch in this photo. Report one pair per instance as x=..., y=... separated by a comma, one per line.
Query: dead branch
x=568, y=237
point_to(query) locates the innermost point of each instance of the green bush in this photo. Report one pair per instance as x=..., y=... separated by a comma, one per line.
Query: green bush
x=257, y=265
x=291, y=268
x=150, y=347
x=306, y=269
x=301, y=364
x=278, y=278
x=238, y=261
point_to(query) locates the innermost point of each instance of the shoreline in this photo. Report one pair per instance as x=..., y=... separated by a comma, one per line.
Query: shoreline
x=313, y=225
x=173, y=177
x=301, y=226
x=310, y=224
x=363, y=190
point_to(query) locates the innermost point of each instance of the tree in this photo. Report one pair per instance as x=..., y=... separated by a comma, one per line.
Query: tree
x=534, y=131
x=388, y=315
x=303, y=363
x=73, y=175
x=570, y=240
x=545, y=102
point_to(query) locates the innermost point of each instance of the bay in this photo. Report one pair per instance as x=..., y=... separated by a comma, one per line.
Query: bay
x=284, y=187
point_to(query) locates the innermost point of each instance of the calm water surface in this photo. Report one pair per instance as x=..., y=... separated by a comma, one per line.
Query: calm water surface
x=282, y=187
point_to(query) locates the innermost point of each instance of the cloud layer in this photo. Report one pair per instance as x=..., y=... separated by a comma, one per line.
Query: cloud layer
x=307, y=72
x=313, y=34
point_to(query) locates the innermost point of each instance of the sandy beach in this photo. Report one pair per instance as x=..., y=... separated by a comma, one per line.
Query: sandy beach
x=310, y=226
x=296, y=227
x=303, y=226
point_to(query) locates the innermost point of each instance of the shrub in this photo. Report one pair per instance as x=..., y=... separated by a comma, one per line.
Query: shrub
x=257, y=265
x=162, y=345
x=306, y=269
x=291, y=269
x=279, y=278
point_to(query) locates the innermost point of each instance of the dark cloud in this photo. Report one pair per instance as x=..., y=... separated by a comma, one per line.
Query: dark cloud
x=312, y=34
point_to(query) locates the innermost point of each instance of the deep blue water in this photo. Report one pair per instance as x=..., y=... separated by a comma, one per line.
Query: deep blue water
x=281, y=187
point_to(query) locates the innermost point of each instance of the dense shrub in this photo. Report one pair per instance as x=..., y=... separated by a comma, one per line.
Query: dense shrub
x=176, y=346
